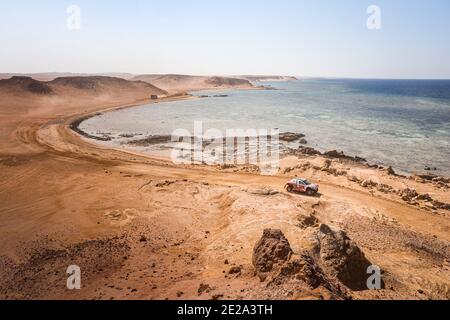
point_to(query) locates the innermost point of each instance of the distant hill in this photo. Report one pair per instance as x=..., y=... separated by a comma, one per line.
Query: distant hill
x=17, y=85
x=156, y=84
x=94, y=85
x=103, y=83
x=49, y=76
x=175, y=83
x=268, y=78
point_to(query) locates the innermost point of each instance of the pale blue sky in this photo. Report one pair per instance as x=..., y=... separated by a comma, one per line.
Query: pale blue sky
x=327, y=38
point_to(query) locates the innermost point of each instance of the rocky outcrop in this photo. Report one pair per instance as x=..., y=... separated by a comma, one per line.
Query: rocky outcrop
x=284, y=270
x=301, y=270
x=391, y=172
x=306, y=221
x=333, y=154
x=327, y=168
x=425, y=201
x=308, y=151
x=341, y=258
x=440, y=205
x=271, y=249
x=408, y=194
x=290, y=136
x=302, y=167
x=341, y=155
x=150, y=140
x=437, y=181
x=334, y=261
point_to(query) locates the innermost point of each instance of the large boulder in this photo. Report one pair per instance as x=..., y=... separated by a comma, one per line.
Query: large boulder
x=308, y=151
x=271, y=249
x=408, y=194
x=341, y=258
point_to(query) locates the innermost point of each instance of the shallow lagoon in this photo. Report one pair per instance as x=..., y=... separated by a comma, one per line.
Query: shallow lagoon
x=403, y=123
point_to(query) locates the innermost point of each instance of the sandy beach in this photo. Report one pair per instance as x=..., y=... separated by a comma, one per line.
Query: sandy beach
x=141, y=227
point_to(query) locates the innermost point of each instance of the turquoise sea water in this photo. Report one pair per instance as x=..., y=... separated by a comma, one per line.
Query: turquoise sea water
x=403, y=123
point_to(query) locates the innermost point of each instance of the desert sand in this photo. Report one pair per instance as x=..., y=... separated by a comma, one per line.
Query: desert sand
x=141, y=227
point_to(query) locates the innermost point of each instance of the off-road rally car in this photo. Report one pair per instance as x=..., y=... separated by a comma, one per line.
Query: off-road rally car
x=302, y=186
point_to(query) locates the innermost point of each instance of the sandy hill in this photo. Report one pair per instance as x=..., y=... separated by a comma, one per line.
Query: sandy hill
x=102, y=83
x=19, y=85
x=49, y=76
x=175, y=83
x=74, y=93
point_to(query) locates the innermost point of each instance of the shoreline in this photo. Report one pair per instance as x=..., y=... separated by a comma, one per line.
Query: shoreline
x=307, y=152
x=76, y=122
x=302, y=149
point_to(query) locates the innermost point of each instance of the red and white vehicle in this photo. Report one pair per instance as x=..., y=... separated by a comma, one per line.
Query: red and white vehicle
x=302, y=186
